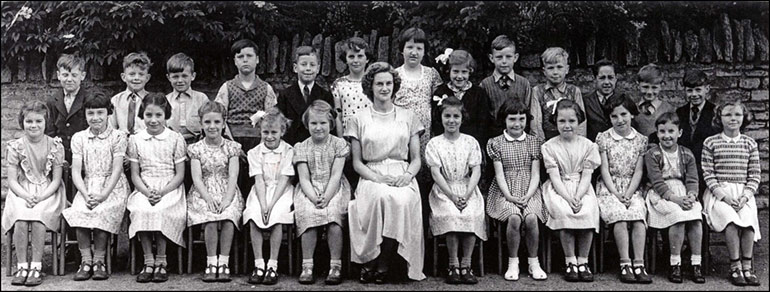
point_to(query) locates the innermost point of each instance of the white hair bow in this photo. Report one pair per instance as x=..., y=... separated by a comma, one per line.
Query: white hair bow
x=553, y=103
x=445, y=56
x=440, y=99
x=256, y=117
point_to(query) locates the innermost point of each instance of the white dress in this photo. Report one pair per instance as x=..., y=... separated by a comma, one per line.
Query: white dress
x=270, y=164
x=157, y=157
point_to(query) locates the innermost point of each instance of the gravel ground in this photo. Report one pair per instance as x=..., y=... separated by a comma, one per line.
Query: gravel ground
x=122, y=280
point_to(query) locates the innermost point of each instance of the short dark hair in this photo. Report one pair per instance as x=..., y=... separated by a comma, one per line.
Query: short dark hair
x=305, y=51
x=748, y=117
x=96, y=99
x=513, y=106
x=374, y=69
x=138, y=59
x=451, y=101
x=33, y=106
x=667, y=117
x=242, y=44
x=568, y=104
x=354, y=44
x=621, y=100
x=601, y=63
x=157, y=99
x=694, y=78
x=412, y=33
x=178, y=62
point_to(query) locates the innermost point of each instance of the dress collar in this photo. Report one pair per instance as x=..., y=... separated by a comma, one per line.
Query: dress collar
x=456, y=90
x=735, y=139
x=103, y=135
x=143, y=134
x=511, y=139
x=618, y=137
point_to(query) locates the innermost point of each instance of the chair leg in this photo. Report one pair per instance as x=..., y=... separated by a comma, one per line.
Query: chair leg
x=290, y=240
x=435, y=256
x=481, y=258
x=235, y=250
x=54, y=253
x=179, y=262
x=600, y=250
x=9, y=253
x=499, y=248
x=132, y=257
x=705, y=250
x=62, y=246
x=108, y=256
x=189, y=248
x=548, y=251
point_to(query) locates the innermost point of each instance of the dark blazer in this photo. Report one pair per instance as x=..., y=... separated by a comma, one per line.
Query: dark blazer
x=64, y=124
x=703, y=129
x=293, y=105
x=597, y=120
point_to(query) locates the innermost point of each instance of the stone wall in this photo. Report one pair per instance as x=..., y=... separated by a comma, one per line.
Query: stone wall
x=733, y=52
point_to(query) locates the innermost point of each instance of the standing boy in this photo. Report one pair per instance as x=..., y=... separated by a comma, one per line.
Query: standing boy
x=244, y=96
x=184, y=101
x=696, y=117
x=296, y=98
x=596, y=113
x=545, y=96
x=504, y=84
x=136, y=67
x=65, y=107
x=650, y=83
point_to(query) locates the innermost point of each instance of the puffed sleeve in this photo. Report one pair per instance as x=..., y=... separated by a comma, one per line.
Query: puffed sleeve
x=255, y=161
x=415, y=126
x=549, y=157
x=119, y=145
x=287, y=168
x=352, y=129
x=76, y=146
x=13, y=153
x=180, y=151
x=233, y=149
x=132, y=152
x=435, y=79
x=475, y=155
x=341, y=148
x=641, y=147
x=493, y=148
x=300, y=153
x=58, y=152
x=192, y=152
x=432, y=157
x=536, y=153
x=601, y=141
x=592, y=159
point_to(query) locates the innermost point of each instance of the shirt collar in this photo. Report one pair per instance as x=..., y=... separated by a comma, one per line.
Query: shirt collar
x=561, y=87
x=141, y=94
x=511, y=139
x=143, y=134
x=177, y=94
x=103, y=135
x=280, y=149
x=497, y=75
x=700, y=107
x=72, y=95
x=309, y=86
x=731, y=140
x=618, y=137
x=603, y=98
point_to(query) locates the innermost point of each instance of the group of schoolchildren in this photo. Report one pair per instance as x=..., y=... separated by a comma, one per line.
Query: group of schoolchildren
x=174, y=161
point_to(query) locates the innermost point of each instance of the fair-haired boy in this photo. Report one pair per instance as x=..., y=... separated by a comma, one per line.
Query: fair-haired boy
x=136, y=67
x=184, y=101
x=505, y=84
x=296, y=98
x=650, y=84
x=545, y=96
x=65, y=107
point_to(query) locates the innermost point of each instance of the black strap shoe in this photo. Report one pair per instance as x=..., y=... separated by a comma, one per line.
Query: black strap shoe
x=697, y=275
x=675, y=274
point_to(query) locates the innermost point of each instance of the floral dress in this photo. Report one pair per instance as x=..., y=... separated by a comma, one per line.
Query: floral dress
x=455, y=158
x=622, y=155
x=157, y=156
x=319, y=159
x=572, y=159
x=97, y=153
x=351, y=98
x=35, y=173
x=415, y=95
x=517, y=156
x=215, y=167
x=270, y=164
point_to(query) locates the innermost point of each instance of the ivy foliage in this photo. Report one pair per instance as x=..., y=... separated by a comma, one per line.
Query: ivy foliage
x=105, y=31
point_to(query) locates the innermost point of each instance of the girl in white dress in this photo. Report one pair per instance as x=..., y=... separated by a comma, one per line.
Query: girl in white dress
x=100, y=203
x=268, y=206
x=731, y=170
x=35, y=191
x=322, y=195
x=456, y=204
x=570, y=159
x=157, y=206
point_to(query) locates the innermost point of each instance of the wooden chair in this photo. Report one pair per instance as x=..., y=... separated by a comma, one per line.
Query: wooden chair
x=499, y=228
x=479, y=252
x=9, y=257
x=604, y=238
x=112, y=247
x=346, y=266
x=133, y=242
x=549, y=239
x=288, y=240
x=200, y=240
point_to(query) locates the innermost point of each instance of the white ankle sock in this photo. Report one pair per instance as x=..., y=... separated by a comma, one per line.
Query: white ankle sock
x=695, y=259
x=211, y=260
x=223, y=260
x=36, y=265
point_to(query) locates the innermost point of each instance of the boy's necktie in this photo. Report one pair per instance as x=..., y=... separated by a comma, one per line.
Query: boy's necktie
x=503, y=82
x=305, y=92
x=694, y=115
x=647, y=107
x=131, y=113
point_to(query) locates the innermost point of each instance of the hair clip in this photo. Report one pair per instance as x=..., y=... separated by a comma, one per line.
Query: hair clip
x=445, y=56
x=440, y=99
